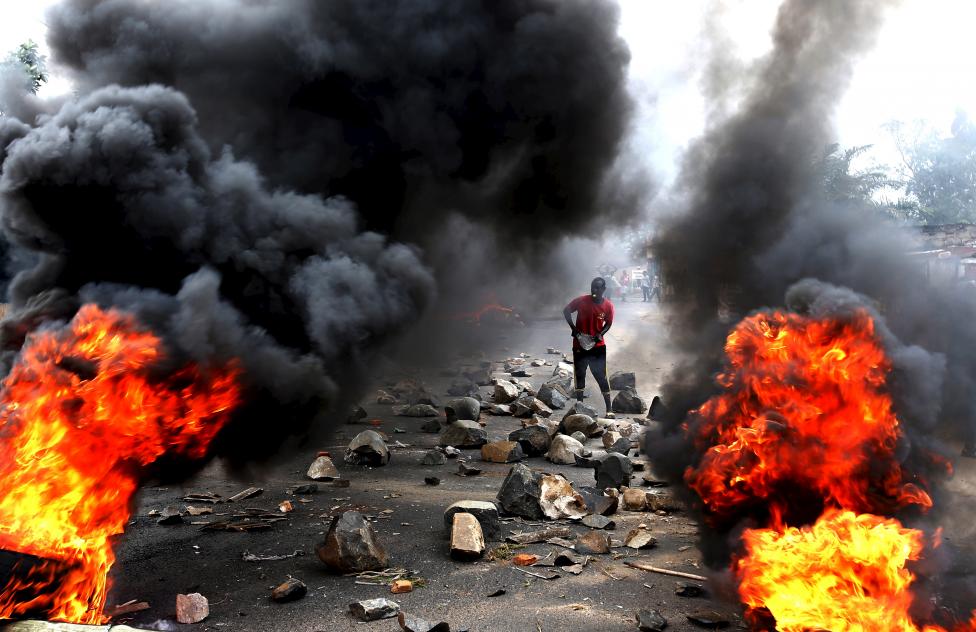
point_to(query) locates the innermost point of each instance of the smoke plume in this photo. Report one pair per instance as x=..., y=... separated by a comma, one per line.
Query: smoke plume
x=276, y=182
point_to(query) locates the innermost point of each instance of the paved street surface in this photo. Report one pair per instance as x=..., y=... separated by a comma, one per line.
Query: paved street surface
x=156, y=562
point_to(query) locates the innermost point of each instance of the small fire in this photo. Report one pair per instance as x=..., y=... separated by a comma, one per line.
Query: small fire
x=804, y=431
x=81, y=416
x=497, y=310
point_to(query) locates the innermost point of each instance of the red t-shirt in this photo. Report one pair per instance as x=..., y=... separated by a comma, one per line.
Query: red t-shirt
x=591, y=317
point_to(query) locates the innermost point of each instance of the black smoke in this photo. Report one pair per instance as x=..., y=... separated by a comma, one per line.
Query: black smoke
x=281, y=182
x=758, y=231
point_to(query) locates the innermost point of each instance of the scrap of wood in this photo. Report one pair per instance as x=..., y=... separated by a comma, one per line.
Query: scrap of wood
x=250, y=492
x=665, y=571
x=532, y=537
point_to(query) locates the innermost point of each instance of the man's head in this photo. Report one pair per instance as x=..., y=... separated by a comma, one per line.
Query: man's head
x=598, y=287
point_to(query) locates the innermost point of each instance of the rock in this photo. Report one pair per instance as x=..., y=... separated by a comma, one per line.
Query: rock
x=563, y=450
x=463, y=433
x=526, y=406
x=322, y=469
x=519, y=373
x=620, y=380
x=579, y=436
x=640, y=539
x=413, y=392
x=597, y=502
x=432, y=481
x=502, y=452
x=534, y=440
x=525, y=559
x=593, y=542
x=463, y=388
x=290, y=590
x=609, y=438
x=368, y=448
x=171, y=514
x=413, y=624
x=553, y=351
x=432, y=426
x=628, y=402
x=505, y=392
x=708, y=619
x=579, y=408
x=467, y=539
x=374, y=609
x=480, y=376
x=633, y=499
x=621, y=446
x=552, y=397
x=502, y=410
x=651, y=621
x=579, y=423
x=465, y=470
x=613, y=470
x=685, y=589
x=433, y=457
x=415, y=410
x=351, y=547
x=657, y=501
x=558, y=499
x=382, y=397
x=192, y=608
x=484, y=512
x=596, y=521
x=519, y=493
x=657, y=411
x=450, y=451
x=463, y=408
x=357, y=415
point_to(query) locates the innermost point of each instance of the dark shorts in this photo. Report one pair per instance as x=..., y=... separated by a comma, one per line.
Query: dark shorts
x=596, y=360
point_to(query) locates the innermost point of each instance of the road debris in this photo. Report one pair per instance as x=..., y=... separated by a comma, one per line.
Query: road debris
x=485, y=513
x=650, y=621
x=401, y=586
x=250, y=557
x=641, y=566
x=290, y=590
x=250, y=492
x=192, y=608
x=467, y=539
x=532, y=537
x=413, y=624
x=322, y=469
x=374, y=609
x=351, y=546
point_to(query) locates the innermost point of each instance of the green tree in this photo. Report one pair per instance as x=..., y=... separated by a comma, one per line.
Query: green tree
x=939, y=172
x=858, y=187
x=28, y=57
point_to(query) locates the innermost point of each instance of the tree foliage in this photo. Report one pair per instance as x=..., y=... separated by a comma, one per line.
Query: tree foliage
x=939, y=172
x=29, y=58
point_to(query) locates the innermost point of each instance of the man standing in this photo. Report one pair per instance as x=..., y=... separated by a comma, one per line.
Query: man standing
x=594, y=316
x=645, y=284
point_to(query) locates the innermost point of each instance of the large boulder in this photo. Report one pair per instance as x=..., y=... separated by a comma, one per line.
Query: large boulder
x=552, y=396
x=621, y=380
x=463, y=433
x=535, y=439
x=415, y=410
x=526, y=406
x=613, y=470
x=559, y=500
x=368, y=448
x=579, y=423
x=351, y=547
x=519, y=493
x=628, y=402
x=467, y=539
x=463, y=408
x=322, y=469
x=463, y=388
x=413, y=392
x=485, y=512
x=505, y=392
x=564, y=450
x=502, y=452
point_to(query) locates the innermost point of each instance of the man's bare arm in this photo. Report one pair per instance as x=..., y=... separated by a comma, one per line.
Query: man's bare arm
x=568, y=315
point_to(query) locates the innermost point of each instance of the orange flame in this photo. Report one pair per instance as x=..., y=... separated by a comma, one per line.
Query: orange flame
x=80, y=417
x=845, y=573
x=804, y=403
x=804, y=413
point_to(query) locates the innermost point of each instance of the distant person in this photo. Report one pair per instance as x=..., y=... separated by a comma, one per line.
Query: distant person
x=645, y=285
x=656, y=288
x=594, y=316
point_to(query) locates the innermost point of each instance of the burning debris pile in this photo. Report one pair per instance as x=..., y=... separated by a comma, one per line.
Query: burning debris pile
x=84, y=417
x=803, y=443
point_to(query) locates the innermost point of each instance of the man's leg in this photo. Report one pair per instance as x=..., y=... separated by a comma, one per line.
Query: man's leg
x=598, y=364
x=579, y=370
x=646, y=291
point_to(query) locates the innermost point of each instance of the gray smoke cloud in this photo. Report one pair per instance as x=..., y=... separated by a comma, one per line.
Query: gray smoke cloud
x=278, y=182
x=758, y=231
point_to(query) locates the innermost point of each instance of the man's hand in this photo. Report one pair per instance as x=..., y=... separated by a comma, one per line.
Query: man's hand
x=597, y=337
x=574, y=331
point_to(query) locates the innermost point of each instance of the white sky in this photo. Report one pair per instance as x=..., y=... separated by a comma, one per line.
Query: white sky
x=924, y=66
